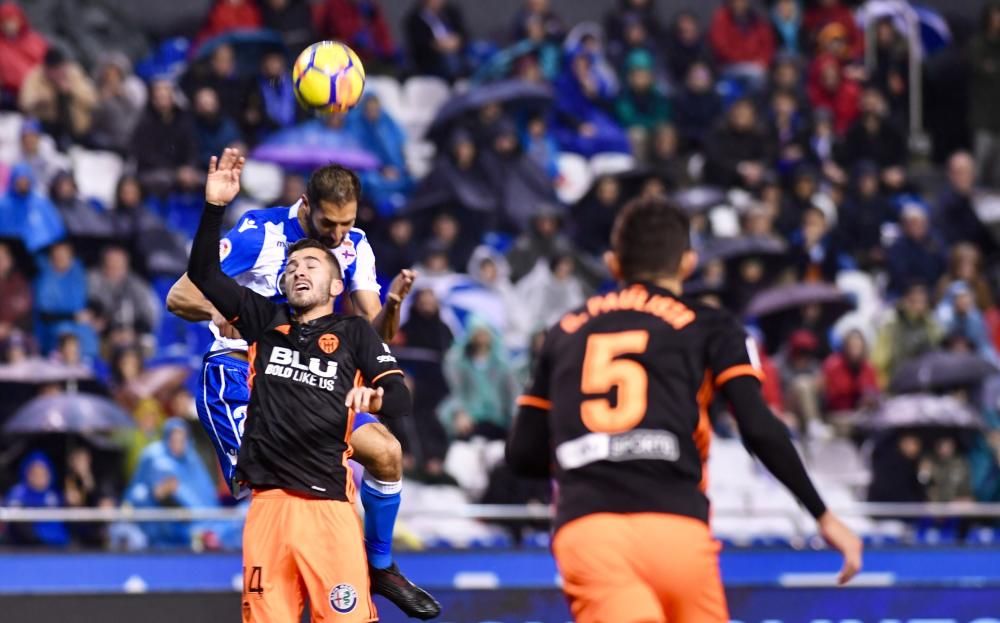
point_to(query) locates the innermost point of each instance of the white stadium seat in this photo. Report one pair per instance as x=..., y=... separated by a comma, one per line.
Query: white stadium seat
x=419, y=157
x=611, y=163
x=388, y=92
x=96, y=173
x=262, y=180
x=422, y=97
x=575, y=177
x=10, y=130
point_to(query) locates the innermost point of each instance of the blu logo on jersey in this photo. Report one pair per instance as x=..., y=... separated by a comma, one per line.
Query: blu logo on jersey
x=288, y=357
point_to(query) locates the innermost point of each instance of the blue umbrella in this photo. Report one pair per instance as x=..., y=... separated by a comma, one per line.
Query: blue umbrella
x=248, y=45
x=512, y=93
x=68, y=413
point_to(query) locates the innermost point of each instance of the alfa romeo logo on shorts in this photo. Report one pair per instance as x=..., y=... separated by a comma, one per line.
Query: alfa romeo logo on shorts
x=328, y=343
x=343, y=598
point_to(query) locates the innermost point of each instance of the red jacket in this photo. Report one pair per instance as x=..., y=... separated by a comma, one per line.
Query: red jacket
x=229, y=15
x=843, y=102
x=844, y=386
x=818, y=17
x=22, y=52
x=735, y=43
x=344, y=20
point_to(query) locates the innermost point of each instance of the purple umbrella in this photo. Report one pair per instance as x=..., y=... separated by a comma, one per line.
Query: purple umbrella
x=309, y=157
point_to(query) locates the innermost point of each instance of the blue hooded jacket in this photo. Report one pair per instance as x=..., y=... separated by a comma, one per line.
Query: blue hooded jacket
x=29, y=216
x=22, y=495
x=195, y=488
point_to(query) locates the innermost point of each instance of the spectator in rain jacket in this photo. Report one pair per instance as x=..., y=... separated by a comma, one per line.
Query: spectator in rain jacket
x=35, y=489
x=21, y=49
x=60, y=95
x=849, y=377
x=270, y=104
x=909, y=331
x=171, y=474
x=169, y=128
x=229, y=15
x=40, y=153
x=742, y=40
x=829, y=88
x=582, y=90
x=482, y=385
x=60, y=297
x=641, y=106
x=379, y=134
x=360, y=24
x=958, y=316
x=120, y=99
x=26, y=214
x=916, y=256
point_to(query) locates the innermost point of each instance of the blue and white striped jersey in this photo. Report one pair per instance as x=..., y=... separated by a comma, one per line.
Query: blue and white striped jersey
x=254, y=254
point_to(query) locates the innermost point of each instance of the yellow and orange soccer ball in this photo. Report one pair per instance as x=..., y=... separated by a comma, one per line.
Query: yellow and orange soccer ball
x=328, y=77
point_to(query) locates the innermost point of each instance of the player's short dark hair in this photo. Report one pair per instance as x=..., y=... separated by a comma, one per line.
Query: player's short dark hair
x=333, y=183
x=649, y=237
x=309, y=243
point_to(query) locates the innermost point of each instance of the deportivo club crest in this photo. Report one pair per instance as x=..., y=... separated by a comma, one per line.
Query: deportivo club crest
x=343, y=598
x=328, y=343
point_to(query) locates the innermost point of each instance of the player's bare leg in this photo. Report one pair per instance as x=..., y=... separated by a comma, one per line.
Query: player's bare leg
x=379, y=452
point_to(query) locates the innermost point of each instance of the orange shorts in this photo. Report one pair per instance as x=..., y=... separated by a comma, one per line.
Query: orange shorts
x=296, y=546
x=640, y=568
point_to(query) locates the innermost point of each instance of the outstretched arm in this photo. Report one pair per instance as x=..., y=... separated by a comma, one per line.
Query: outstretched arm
x=386, y=319
x=187, y=302
x=768, y=440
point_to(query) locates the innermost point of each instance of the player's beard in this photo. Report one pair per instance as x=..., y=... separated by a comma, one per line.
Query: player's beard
x=303, y=302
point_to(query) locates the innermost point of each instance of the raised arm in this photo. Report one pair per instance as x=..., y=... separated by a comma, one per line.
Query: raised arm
x=204, y=267
x=386, y=320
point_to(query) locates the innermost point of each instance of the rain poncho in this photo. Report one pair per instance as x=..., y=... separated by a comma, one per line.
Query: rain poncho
x=195, y=489
x=484, y=388
x=29, y=216
x=969, y=324
x=24, y=496
x=58, y=298
x=385, y=139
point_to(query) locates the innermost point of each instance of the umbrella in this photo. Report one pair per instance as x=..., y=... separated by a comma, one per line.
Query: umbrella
x=940, y=370
x=735, y=249
x=922, y=411
x=68, y=413
x=248, y=45
x=791, y=297
x=512, y=93
x=38, y=371
x=698, y=199
x=302, y=157
x=158, y=381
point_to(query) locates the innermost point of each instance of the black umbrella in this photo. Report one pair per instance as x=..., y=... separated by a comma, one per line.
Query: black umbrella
x=630, y=182
x=741, y=247
x=68, y=413
x=698, y=199
x=940, y=370
x=790, y=297
x=511, y=93
x=249, y=46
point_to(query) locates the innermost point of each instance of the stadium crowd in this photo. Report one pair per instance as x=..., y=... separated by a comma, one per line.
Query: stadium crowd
x=787, y=139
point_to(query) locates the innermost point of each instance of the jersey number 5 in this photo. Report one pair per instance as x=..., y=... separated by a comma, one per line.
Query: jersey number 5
x=603, y=370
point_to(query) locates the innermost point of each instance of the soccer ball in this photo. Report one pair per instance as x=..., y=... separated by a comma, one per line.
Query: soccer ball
x=328, y=77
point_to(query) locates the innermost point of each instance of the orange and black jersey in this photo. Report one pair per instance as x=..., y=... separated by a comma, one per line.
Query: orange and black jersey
x=297, y=426
x=619, y=404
